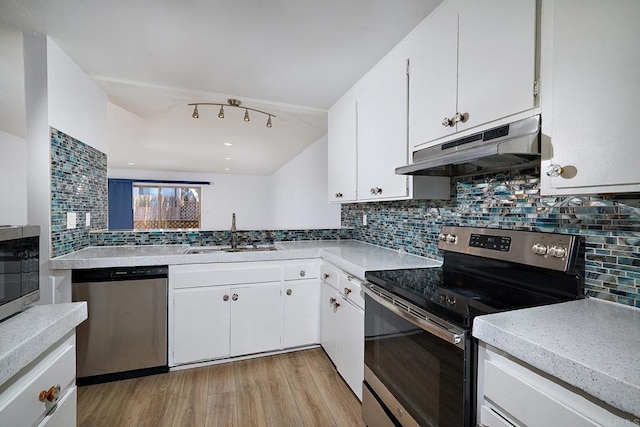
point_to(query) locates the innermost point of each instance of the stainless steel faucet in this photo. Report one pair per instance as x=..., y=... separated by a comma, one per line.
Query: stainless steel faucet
x=234, y=233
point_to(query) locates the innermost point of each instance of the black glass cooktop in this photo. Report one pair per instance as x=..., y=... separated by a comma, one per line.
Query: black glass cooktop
x=463, y=288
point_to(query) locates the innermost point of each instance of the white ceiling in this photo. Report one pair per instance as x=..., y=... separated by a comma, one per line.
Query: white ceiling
x=294, y=58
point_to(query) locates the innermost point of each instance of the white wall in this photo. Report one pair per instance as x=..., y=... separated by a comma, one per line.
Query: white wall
x=13, y=179
x=57, y=94
x=299, y=191
x=246, y=195
x=77, y=106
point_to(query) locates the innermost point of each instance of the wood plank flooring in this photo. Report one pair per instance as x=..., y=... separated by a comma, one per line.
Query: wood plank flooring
x=292, y=389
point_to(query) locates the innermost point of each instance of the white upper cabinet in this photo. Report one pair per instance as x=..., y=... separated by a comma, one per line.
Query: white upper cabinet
x=433, y=75
x=472, y=63
x=590, y=108
x=342, y=149
x=496, y=59
x=382, y=128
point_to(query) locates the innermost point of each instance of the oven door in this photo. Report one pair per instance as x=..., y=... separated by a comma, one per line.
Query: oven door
x=417, y=370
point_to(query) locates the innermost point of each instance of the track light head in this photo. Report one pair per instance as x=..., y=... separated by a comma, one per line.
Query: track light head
x=246, y=115
x=195, y=114
x=221, y=113
x=269, y=121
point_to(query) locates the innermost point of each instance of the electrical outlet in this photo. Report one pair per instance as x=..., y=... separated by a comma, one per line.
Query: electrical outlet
x=87, y=219
x=364, y=219
x=71, y=220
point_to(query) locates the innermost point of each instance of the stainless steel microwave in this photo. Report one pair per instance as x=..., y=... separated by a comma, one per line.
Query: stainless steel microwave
x=19, y=268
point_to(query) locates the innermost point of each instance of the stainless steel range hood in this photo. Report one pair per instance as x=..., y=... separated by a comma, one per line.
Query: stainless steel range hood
x=512, y=146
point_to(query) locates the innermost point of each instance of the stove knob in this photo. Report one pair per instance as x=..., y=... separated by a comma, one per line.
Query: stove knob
x=557, y=251
x=443, y=298
x=451, y=238
x=442, y=237
x=451, y=301
x=539, y=249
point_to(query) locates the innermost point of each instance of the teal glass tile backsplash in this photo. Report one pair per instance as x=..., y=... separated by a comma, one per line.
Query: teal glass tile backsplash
x=610, y=224
x=78, y=184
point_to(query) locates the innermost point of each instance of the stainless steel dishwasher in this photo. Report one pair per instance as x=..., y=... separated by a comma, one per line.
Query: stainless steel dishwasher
x=125, y=335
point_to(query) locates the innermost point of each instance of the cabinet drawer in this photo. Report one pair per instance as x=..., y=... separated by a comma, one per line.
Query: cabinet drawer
x=526, y=403
x=351, y=289
x=224, y=274
x=330, y=274
x=19, y=403
x=306, y=270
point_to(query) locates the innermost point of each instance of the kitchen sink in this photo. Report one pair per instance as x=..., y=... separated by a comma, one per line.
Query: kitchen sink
x=212, y=249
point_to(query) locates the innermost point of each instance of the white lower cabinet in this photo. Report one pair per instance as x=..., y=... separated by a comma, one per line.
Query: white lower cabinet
x=511, y=393
x=301, y=306
x=256, y=316
x=44, y=392
x=342, y=328
x=223, y=310
x=350, y=337
x=201, y=319
x=329, y=322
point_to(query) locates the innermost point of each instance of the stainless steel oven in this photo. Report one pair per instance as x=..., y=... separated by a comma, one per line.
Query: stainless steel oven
x=420, y=356
x=415, y=363
x=19, y=268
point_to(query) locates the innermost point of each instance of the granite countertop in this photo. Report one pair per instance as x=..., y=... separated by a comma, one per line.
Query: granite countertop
x=351, y=255
x=26, y=335
x=591, y=344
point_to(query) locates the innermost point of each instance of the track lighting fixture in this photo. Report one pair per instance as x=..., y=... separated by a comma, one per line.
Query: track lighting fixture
x=231, y=103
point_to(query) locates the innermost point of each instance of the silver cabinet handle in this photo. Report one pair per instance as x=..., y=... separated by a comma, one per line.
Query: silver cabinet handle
x=460, y=117
x=289, y=292
x=235, y=297
x=303, y=273
x=446, y=122
x=225, y=298
x=336, y=305
x=347, y=291
x=554, y=170
x=325, y=276
x=338, y=195
x=332, y=300
x=376, y=190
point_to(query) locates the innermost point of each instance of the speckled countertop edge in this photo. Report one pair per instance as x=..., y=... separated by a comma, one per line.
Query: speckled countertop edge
x=590, y=344
x=352, y=256
x=28, y=334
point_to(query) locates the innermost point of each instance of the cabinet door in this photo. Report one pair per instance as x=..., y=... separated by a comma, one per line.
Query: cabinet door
x=342, y=149
x=200, y=324
x=382, y=128
x=433, y=75
x=496, y=59
x=256, y=318
x=594, y=96
x=351, y=345
x=328, y=319
x=301, y=305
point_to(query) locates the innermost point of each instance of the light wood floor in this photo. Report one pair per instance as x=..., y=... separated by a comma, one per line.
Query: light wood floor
x=293, y=389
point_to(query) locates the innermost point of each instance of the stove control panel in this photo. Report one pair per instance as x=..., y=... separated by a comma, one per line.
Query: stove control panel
x=540, y=249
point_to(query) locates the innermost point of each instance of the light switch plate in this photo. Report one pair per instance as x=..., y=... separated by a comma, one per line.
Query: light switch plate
x=71, y=220
x=88, y=219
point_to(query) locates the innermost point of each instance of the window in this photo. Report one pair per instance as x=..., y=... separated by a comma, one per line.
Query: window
x=166, y=206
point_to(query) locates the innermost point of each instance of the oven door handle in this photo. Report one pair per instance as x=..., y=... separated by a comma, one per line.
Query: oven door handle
x=455, y=337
